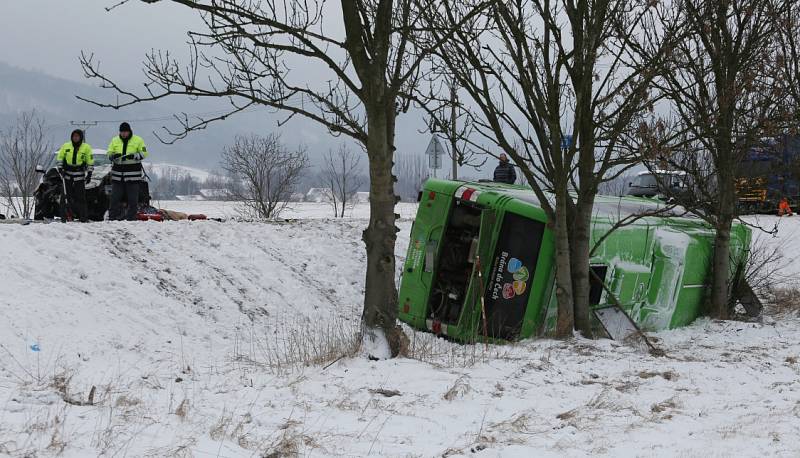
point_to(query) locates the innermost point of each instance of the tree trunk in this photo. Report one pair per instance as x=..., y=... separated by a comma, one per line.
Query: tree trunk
x=720, y=285
x=565, y=321
x=579, y=244
x=453, y=131
x=381, y=334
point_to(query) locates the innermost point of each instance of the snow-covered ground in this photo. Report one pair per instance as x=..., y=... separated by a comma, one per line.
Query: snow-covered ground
x=295, y=210
x=216, y=339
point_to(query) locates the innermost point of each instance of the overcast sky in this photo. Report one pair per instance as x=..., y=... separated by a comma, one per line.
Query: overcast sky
x=48, y=35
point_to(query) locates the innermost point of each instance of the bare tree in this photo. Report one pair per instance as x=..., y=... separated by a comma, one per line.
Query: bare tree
x=787, y=59
x=719, y=82
x=266, y=173
x=22, y=147
x=246, y=54
x=218, y=184
x=170, y=182
x=552, y=86
x=341, y=175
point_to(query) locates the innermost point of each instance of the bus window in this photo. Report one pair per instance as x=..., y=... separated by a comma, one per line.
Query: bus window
x=595, y=285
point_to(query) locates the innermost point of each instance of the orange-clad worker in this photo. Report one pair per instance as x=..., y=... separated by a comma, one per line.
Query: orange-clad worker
x=784, y=209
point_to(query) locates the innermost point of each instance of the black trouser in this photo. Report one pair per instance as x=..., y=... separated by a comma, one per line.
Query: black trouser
x=76, y=197
x=129, y=189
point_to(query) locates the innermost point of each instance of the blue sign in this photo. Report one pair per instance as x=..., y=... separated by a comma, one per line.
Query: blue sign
x=566, y=142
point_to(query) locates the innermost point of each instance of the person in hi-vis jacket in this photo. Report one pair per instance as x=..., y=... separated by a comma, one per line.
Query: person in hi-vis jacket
x=75, y=163
x=126, y=152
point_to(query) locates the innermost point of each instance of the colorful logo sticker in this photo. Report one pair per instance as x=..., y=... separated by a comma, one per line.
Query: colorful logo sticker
x=514, y=265
x=521, y=274
x=508, y=291
x=520, y=287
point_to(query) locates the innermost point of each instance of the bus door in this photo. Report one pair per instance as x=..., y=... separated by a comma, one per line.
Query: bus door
x=480, y=258
x=466, y=236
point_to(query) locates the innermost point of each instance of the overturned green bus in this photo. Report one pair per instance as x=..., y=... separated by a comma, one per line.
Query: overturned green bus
x=658, y=267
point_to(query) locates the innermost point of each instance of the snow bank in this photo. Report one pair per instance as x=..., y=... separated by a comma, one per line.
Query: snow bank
x=195, y=335
x=143, y=294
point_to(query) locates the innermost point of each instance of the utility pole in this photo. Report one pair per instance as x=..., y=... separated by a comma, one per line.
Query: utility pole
x=84, y=125
x=453, y=134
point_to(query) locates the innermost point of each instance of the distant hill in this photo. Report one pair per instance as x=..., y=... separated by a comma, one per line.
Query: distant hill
x=55, y=99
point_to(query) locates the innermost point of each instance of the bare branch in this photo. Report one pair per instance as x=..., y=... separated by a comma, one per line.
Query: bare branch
x=263, y=174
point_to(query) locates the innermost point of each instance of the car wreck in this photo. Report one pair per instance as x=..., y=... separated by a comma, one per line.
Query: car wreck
x=481, y=259
x=50, y=191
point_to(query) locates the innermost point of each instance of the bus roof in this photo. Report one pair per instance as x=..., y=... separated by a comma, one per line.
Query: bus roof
x=611, y=206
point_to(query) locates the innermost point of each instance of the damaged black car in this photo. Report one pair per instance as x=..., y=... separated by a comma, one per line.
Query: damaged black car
x=49, y=195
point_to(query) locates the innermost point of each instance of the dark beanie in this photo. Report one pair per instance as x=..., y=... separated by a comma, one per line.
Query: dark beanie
x=125, y=127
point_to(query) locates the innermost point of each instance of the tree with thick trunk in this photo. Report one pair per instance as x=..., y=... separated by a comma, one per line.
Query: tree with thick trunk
x=787, y=61
x=720, y=85
x=246, y=53
x=538, y=74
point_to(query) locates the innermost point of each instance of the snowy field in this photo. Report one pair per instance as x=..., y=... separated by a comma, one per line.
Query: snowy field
x=295, y=210
x=216, y=339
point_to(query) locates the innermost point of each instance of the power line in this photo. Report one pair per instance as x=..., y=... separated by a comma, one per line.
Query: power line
x=84, y=125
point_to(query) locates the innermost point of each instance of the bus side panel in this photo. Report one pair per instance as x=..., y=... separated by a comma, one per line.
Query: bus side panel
x=541, y=289
x=540, y=243
x=510, y=282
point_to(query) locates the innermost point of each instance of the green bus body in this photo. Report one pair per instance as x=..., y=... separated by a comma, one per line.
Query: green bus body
x=491, y=240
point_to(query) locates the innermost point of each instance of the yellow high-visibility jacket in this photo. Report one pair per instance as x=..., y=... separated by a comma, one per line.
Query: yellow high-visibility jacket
x=127, y=161
x=75, y=163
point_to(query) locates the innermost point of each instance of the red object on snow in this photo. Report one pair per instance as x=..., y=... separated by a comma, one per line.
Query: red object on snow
x=149, y=216
x=198, y=216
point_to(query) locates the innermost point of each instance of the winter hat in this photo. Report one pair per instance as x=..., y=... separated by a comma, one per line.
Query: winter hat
x=79, y=132
x=125, y=127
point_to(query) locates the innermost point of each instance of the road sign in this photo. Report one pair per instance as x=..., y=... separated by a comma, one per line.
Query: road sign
x=566, y=142
x=434, y=152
